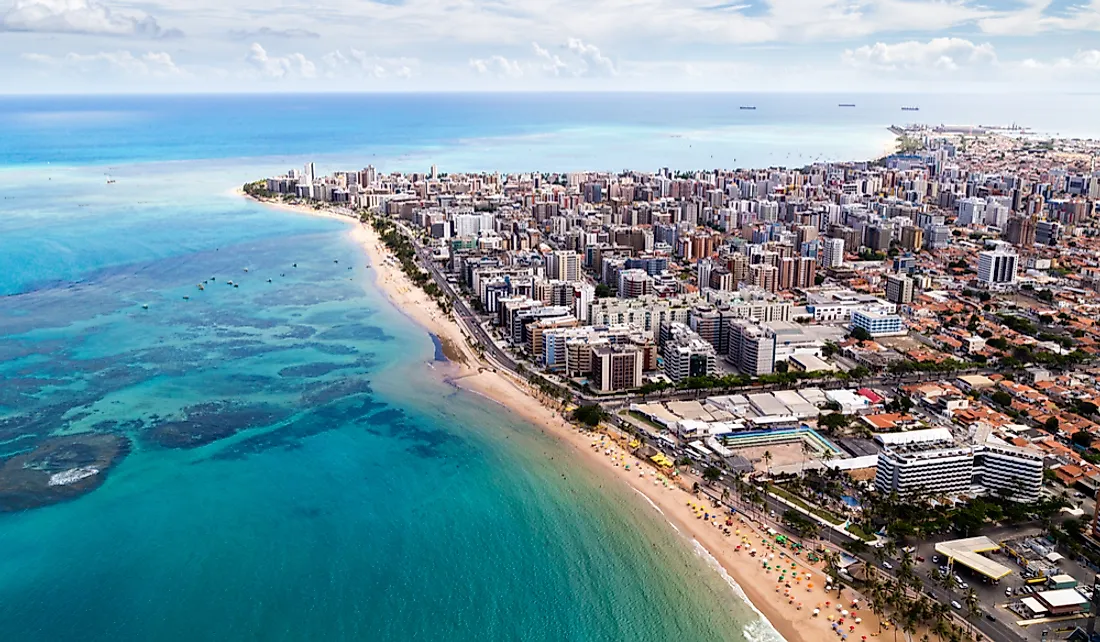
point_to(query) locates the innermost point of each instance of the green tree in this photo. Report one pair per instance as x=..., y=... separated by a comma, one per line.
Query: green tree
x=590, y=415
x=712, y=474
x=1082, y=438
x=604, y=291
x=1051, y=424
x=860, y=334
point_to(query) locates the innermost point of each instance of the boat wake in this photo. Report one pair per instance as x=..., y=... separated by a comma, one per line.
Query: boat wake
x=760, y=629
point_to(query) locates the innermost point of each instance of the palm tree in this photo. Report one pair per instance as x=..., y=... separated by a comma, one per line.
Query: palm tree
x=805, y=451
x=768, y=462
x=971, y=607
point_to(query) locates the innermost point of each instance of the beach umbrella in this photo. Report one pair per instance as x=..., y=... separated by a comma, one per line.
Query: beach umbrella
x=859, y=620
x=844, y=612
x=816, y=612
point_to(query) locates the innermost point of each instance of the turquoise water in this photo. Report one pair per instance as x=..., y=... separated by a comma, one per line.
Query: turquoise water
x=297, y=468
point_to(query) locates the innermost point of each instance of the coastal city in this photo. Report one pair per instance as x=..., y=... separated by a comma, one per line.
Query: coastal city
x=884, y=370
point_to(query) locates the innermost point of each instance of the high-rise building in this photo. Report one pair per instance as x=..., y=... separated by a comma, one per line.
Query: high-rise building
x=806, y=272
x=997, y=267
x=751, y=348
x=912, y=238
x=931, y=462
x=563, y=265
x=765, y=277
x=934, y=468
x=937, y=237
x=899, y=289
x=832, y=252
x=634, y=283
x=616, y=367
x=1020, y=231
x=1048, y=232
x=688, y=355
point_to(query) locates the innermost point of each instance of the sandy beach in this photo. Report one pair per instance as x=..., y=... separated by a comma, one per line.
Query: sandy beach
x=779, y=592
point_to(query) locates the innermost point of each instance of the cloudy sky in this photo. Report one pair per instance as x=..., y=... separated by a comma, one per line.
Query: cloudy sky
x=394, y=45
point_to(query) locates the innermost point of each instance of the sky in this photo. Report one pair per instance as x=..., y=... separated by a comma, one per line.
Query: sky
x=112, y=46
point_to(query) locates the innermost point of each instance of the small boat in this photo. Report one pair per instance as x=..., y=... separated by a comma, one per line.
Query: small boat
x=144, y=306
x=236, y=285
x=269, y=280
x=201, y=287
x=186, y=298
x=246, y=269
x=846, y=105
x=910, y=108
x=748, y=107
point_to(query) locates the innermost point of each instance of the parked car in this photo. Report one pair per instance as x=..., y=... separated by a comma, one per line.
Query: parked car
x=935, y=559
x=919, y=558
x=990, y=617
x=955, y=605
x=964, y=586
x=887, y=565
x=1008, y=591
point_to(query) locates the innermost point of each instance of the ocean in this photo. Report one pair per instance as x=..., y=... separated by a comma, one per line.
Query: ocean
x=279, y=459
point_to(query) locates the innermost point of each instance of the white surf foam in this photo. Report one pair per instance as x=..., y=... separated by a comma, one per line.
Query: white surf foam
x=760, y=629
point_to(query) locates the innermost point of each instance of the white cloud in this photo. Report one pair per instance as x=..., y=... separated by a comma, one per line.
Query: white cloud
x=153, y=63
x=1085, y=60
x=290, y=65
x=79, y=16
x=361, y=64
x=581, y=59
x=938, y=54
x=497, y=66
x=594, y=62
x=267, y=32
x=551, y=63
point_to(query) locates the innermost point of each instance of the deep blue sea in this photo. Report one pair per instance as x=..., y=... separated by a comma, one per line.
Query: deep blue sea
x=285, y=461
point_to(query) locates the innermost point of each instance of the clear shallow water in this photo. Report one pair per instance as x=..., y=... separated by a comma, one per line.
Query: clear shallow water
x=297, y=471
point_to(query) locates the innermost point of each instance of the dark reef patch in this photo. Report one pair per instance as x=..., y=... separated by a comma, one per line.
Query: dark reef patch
x=59, y=468
x=208, y=422
x=354, y=332
x=308, y=370
x=322, y=393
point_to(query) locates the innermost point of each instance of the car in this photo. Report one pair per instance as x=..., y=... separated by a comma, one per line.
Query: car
x=956, y=605
x=935, y=559
x=964, y=586
x=1008, y=591
x=919, y=558
x=990, y=617
x=887, y=565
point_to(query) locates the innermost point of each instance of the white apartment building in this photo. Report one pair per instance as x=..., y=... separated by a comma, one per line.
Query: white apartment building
x=832, y=252
x=1006, y=470
x=926, y=467
x=997, y=268
x=931, y=462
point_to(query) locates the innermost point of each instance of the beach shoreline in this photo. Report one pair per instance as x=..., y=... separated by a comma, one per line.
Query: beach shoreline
x=671, y=499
